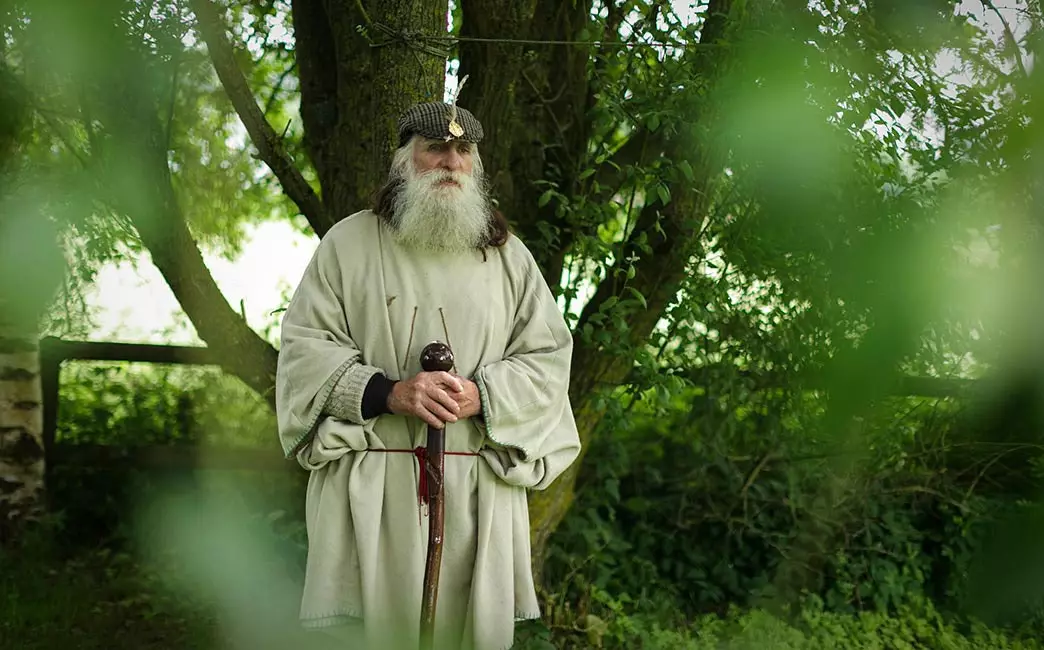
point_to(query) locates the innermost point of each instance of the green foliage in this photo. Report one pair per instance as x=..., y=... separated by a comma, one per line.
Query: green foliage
x=851, y=210
x=808, y=627
x=97, y=598
x=723, y=498
x=123, y=406
x=711, y=518
x=814, y=628
x=833, y=252
x=130, y=404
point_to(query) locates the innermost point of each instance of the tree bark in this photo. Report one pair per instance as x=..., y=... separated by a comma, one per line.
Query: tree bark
x=533, y=102
x=493, y=94
x=21, y=433
x=353, y=92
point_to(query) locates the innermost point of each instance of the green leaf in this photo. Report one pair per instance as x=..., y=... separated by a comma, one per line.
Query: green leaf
x=545, y=198
x=686, y=169
x=664, y=193
x=638, y=296
x=897, y=105
x=586, y=173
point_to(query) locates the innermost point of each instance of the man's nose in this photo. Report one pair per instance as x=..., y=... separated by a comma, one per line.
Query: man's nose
x=453, y=161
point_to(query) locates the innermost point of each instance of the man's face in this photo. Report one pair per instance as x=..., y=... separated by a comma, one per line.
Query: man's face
x=440, y=156
x=442, y=203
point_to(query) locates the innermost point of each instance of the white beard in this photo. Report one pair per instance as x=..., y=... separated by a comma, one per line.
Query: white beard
x=436, y=218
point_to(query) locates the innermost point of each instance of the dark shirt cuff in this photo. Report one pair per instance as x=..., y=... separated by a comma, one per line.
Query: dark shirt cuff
x=375, y=397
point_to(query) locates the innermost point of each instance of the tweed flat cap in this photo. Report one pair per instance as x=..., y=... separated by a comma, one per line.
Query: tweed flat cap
x=432, y=120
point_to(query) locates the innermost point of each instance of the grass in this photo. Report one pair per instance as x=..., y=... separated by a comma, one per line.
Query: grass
x=193, y=576
x=66, y=598
x=102, y=599
x=55, y=599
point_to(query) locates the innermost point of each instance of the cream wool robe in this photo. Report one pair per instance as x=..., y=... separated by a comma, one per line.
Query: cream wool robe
x=367, y=305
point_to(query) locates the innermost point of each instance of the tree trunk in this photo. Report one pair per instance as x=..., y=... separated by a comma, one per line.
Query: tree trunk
x=352, y=93
x=31, y=269
x=21, y=432
x=671, y=232
x=533, y=103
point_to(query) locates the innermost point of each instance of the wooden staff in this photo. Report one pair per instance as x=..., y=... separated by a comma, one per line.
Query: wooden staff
x=435, y=357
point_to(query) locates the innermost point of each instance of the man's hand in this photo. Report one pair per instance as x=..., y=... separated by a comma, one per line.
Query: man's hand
x=432, y=396
x=468, y=399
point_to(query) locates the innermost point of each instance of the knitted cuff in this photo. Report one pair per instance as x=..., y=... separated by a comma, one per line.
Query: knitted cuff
x=375, y=397
x=345, y=401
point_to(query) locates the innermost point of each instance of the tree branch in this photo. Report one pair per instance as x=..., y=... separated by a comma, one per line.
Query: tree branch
x=1008, y=34
x=668, y=230
x=278, y=88
x=494, y=72
x=156, y=215
x=269, y=145
x=136, y=172
x=238, y=348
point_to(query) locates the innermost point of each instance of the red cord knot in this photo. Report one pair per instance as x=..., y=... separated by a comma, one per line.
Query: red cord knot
x=421, y=454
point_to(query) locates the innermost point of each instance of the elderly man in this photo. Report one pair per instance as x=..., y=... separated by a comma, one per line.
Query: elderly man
x=431, y=261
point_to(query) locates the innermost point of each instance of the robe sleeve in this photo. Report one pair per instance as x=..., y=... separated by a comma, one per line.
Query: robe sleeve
x=320, y=369
x=526, y=412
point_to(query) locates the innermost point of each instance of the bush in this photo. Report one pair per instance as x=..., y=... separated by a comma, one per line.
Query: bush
x=694, y=506
x=137, y=404
x=122, y=406
x=743, y=501
x=810, y=628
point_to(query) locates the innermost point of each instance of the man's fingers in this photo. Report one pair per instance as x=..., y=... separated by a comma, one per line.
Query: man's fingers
x=430, y=418
x=451, y=382
x=440, y=411
x=442, y=397
x=421, y=410
x=435, y=392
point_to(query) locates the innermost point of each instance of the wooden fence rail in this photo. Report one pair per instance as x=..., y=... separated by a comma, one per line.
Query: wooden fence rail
x=54, y=352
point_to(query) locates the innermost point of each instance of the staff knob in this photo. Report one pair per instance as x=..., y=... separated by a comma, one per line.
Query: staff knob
x=436, y=356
